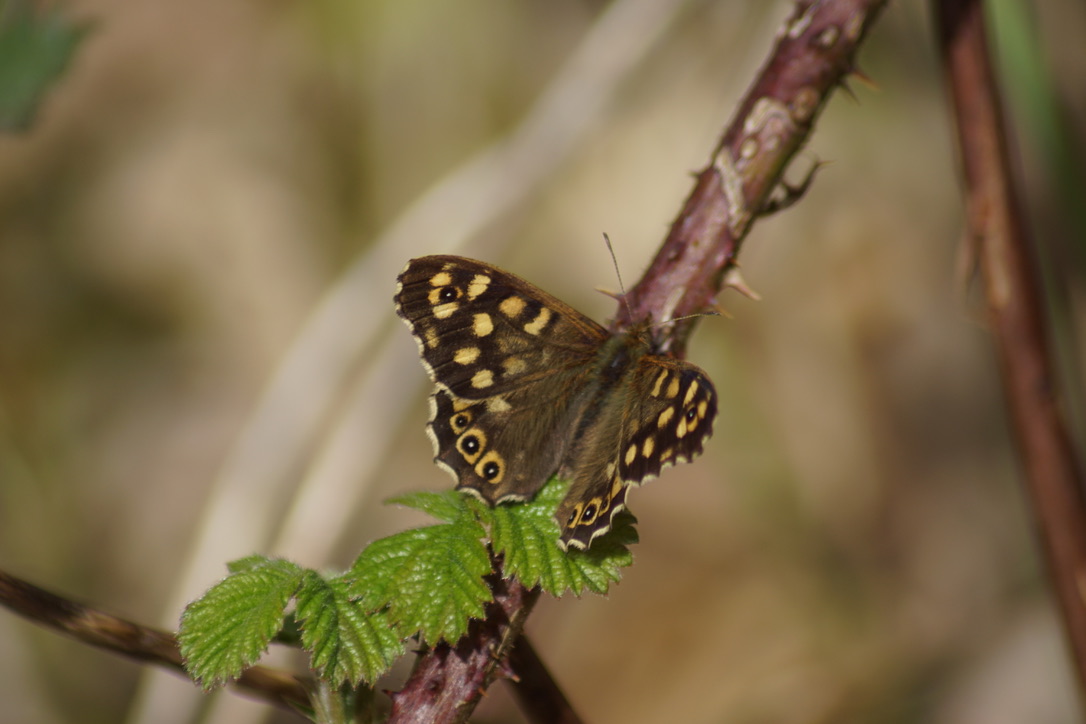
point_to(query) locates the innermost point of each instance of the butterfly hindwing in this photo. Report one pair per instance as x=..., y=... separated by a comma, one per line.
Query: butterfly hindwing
x=496, y=449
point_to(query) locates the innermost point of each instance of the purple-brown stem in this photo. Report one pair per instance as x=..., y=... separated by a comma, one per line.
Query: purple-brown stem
x=814, y=54
x=448, y=681
x=1008, y=272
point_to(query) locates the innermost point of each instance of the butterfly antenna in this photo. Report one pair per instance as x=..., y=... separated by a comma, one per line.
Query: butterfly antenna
x=614, y=261
x=706, y=313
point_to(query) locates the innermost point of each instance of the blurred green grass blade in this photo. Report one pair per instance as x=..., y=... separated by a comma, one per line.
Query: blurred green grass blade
x=35, y=50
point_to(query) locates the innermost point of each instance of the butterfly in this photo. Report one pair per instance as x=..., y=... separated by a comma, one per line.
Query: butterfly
x=526, y=387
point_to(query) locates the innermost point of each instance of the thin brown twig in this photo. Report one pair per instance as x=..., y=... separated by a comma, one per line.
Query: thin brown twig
x=142, y=643
x=539, y=696
x=1008, y=271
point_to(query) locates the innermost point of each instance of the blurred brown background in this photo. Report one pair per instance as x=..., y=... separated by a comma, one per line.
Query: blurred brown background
x=199, y=239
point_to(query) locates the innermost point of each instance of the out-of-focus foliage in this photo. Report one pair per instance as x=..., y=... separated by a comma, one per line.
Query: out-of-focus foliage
x=35, y=49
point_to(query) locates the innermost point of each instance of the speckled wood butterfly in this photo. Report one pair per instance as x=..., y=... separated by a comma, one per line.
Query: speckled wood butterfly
x=526, y=387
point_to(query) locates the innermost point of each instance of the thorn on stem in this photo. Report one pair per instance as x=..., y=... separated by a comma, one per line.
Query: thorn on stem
x=791, y=194
x=864, y=78
x=734, y=278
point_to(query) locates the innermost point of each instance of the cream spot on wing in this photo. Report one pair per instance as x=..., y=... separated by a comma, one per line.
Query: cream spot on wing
x=512, y=306
x=610, y=470
x=444, y=311
x=665, y=417
x=631, y=454
x=498, y=404
x=690, y=392
x=514, y=365
x=482, y=379
x=616, y=488
x=536, y=325
x=478, y=285
x=673, y=388
x=648, y=447
x=680, y=429
x=483, y=325
x=466, y=355
x=703, y=407
x=666, y=454
x=441, y=279
x=432, y=340
x=659, y=383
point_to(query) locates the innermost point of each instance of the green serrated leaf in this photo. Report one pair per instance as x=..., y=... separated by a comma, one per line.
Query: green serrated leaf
x=602, y=564
x=229, y=627
x=429, y=579
x=527, y=536
x=447, y=505
x=252, y=563
x=344, y=642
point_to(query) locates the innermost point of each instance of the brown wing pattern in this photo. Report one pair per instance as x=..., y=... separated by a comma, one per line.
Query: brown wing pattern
x=483, y=332
x=526, y=386
x=663, y=417
x=511, y=364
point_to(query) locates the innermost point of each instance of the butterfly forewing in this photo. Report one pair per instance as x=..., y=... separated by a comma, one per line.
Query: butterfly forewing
x=511, y=365
x=482, y=331
x=671, y=423
x=526, y=386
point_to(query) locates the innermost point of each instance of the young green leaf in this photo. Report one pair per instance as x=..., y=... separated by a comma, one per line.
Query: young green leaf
x=447, y=505
x=228, y=628
x=602, y=564
x=527, y=536
x=345, y=644
x=430, y=579
x=255, y=562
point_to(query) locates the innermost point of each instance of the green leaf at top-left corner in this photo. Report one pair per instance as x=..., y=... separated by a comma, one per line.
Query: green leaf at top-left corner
x=36, y=47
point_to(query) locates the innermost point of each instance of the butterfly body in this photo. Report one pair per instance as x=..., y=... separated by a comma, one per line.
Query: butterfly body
x=527, y=387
